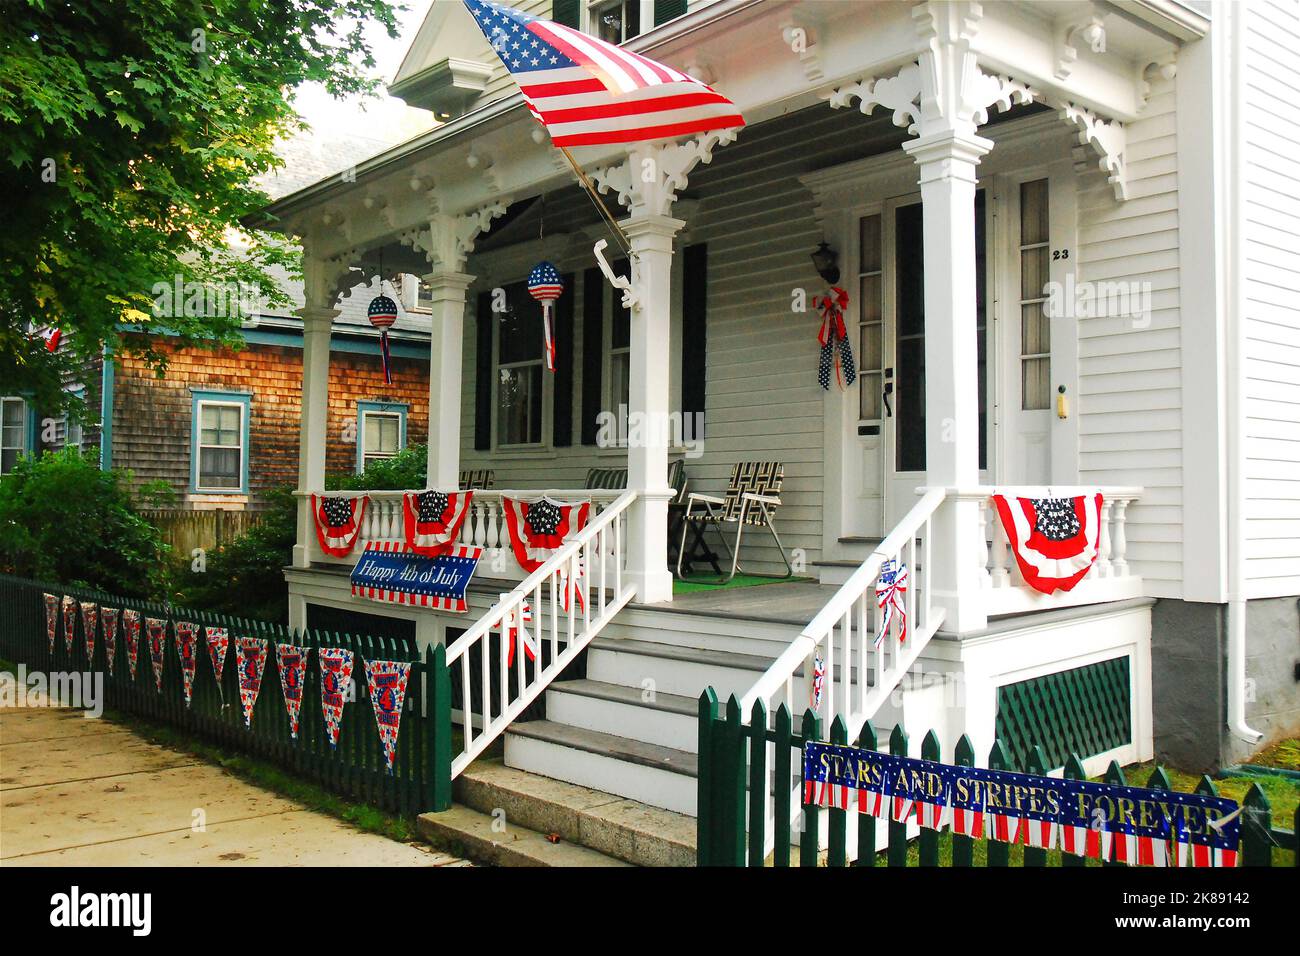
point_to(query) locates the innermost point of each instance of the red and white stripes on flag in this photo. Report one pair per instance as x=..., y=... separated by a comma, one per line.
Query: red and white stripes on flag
x=587, y=92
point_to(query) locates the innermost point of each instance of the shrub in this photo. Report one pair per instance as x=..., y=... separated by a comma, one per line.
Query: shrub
x=404, y=471
x=64, y=520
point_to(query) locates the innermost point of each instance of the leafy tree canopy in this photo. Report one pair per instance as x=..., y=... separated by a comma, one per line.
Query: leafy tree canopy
x=131, y=133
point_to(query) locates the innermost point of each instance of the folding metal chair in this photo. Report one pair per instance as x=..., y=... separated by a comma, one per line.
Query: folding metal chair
x=751, y=500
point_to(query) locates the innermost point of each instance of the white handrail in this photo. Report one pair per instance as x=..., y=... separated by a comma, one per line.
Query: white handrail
x=590, y=565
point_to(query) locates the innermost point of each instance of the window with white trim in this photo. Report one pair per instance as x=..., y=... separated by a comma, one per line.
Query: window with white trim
x=1035, y=329
x=381, y=435
x=13, y=433
x=518, y=370
x=613, y=21
x=220, y=446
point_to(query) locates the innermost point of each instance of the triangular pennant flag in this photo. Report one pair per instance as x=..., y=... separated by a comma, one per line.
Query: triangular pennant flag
x=187, y=646
x=156, y=634
x=387, y=683
x=89, y=619
x=131, y=631
x=108, y=618
x=335, y=679
x=292, y=664
x=51, y=618
x=250, y=660
x=218, y=639
x=69, y=621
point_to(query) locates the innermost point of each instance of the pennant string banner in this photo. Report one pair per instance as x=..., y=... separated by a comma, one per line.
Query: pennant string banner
x=131, y=632
x=187, y=641
x=292, y=664
x=336, y=665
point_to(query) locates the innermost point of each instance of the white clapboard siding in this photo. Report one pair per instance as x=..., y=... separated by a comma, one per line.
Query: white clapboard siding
x=1130, y=369
x=1271, y=171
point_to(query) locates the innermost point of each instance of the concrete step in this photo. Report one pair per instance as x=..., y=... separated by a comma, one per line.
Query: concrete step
x=659, y=776
x=610, y=824
x=472, y=834
x=688, y=628
x=656, y=718
x=684, y=671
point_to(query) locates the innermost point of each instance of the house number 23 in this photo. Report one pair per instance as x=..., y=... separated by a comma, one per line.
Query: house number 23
x=1060, y=254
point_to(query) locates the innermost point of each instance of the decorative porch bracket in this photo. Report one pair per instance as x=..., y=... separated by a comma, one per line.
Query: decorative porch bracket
x=1107, y=139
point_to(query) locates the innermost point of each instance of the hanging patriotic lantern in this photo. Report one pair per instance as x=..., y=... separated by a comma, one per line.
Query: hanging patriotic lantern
x=250, y=660
x=338, y=522
x=539, y=528
x=291, y=661
x=836, y=350
x=187, y=641
x=51, y=618
x=1054, y=539
x=432, y=519
x=156, y=634
x=545, y=285
x=108, y=619
x=335, y=680
x=382, y=314
x=131, y=631
x=387, y=683
x=890, y=591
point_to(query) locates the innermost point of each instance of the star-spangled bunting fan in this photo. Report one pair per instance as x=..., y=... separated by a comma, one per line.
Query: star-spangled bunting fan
x=155, y=631
x=382, y=314
x=218, y=641
x=432, y=519
x=891, y=589
x=69, y=621
x=250, y=664
x=335, y=679
x=545, y=286
x=836, y=350
x=108, y=621
x=387, y=683
x=338, y=522
x=539, y=528
x=1054, y=539
x=187, y=648
x=51, y=618
x=131, y=632
x=590, y=93
x=291, y=661
x=89, y=619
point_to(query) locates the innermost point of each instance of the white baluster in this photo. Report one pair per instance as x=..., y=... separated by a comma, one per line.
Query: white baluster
x=1102, y=565
x=1119, y=540
x=982, y=548
x=999, y=578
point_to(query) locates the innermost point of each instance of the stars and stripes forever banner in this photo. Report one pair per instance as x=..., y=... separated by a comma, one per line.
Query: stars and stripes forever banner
x=1127, y=824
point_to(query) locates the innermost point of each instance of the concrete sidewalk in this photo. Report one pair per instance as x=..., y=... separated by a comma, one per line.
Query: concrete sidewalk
x=78, y=792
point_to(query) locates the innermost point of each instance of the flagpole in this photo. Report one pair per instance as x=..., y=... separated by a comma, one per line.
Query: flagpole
x=600, y=203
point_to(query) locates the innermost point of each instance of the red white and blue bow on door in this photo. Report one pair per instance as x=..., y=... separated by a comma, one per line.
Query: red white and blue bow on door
x=891, y=591
x=545, y=286
x=250, y=663
x=539, y=528
x=1054, y=539
x=335, y=681
x=382, y=314
x=156, y=634
x=218, y=639
x=516, y=630
x=291, y=661
x=836, y=350
x=187, y=647
x=108, y=620
x=387, y=684
x=131, y=632
x=432, y=519
x=51, y=618
x=89, y=618
x=338, y=522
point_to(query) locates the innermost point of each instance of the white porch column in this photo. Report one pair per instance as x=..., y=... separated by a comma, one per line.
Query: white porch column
x=446, y=345
x=947, y=160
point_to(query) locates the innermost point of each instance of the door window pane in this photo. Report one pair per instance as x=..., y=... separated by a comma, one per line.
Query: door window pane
x=1035, y=328
x=871, y=327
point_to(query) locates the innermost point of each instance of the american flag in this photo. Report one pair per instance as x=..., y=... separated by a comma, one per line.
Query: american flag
x=590, y=93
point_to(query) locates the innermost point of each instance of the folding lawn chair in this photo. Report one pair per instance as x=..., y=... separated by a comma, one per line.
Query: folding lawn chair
x=751, y=500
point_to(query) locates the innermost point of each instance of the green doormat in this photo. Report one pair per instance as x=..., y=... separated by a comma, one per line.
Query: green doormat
x=739, y=581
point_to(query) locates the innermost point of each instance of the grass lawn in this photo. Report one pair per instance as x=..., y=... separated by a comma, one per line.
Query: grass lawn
x=690, y=586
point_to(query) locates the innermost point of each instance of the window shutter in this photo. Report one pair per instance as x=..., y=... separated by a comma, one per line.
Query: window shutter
x=562, y=405
x=566, y=12
x=695, y=269
x=483, y=374
x=593, y=336
x=665, y=10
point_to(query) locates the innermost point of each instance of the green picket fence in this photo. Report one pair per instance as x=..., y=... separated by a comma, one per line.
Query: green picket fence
x=737, y=800
x=421, y=778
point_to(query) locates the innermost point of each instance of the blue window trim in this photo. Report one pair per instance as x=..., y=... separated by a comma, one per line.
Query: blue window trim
x=244, y=399
x=367, y=405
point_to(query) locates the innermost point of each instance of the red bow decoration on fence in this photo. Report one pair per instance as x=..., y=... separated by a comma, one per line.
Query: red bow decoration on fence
x=834, y=340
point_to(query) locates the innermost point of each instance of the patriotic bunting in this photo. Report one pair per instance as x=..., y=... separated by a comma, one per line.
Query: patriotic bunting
x=517, y=631
x=387, y=684
x=218, y=640
x=291, y=661
x=250, y=661
x=108, y=618
x=432, y=519
x=187, y=644
x=335, y=680
x=69, y=621
x=891, y=590
x=131, y=632
x=1054, y=539
x=156, y=634
x=539, y=528
x=51, y=618
x=1125, y=824
x=338, y=522
x=89, y=619
x=836, y=350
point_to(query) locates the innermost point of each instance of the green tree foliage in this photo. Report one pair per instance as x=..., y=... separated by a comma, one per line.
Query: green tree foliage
x=405, y=471
x=131, y=134
x=64, y=520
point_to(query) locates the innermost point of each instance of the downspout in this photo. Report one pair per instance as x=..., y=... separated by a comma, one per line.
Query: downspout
x=1236, y=391
x=106, y=409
